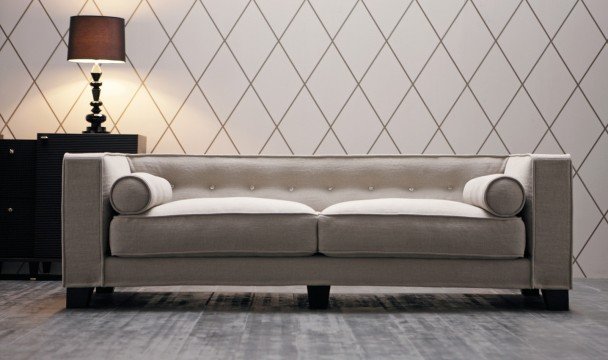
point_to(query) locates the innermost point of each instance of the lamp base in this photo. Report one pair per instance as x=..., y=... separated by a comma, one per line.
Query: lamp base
x=100, y=130
x=96, y=120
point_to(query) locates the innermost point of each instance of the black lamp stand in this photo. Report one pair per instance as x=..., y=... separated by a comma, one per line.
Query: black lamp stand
x=96, y=118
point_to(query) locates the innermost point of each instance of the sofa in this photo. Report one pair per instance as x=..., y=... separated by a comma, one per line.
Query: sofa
x=425, y=221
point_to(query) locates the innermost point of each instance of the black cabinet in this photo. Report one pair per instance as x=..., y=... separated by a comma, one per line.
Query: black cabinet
x=50, y=149
x=30, y=190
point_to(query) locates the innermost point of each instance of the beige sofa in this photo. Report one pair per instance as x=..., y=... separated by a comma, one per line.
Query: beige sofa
x=317, y=221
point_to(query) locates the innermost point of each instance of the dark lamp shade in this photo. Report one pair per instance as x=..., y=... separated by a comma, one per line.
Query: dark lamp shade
x=96, y=39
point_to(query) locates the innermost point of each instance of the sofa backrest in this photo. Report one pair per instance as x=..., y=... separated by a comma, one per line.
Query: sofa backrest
x=318, y=181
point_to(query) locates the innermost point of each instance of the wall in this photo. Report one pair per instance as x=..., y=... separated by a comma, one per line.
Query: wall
x=320, y=76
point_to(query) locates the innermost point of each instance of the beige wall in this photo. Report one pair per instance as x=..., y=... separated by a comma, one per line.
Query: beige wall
x=329, y=76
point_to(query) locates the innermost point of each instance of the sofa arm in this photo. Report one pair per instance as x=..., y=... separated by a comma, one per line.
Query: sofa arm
x=547, y=213
x=86, y=215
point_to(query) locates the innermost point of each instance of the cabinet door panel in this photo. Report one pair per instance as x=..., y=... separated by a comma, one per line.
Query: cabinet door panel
x=17, y=183
x=16, y=227
x=17, y=167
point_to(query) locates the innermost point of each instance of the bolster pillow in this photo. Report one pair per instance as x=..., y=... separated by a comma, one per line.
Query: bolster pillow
x=138, y=192
x=498, y=194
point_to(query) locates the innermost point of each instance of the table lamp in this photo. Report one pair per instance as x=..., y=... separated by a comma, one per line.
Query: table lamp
x=96, y=40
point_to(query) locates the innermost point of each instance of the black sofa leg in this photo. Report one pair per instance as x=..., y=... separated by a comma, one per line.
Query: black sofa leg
x=530, y=292
x=556, y=300
x=318, y=296
x=104, y=290
x=77, y=298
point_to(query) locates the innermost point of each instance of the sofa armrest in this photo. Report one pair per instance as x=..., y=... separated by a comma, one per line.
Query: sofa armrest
x=86, y=214
x=547, y=213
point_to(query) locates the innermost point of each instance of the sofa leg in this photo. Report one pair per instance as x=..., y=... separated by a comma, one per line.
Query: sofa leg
x=77, y=298
x=556, y=300
x=530, y=292
x=318, y=296
x=104, y=290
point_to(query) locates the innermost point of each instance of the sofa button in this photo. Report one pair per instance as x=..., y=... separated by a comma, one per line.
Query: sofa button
x=291, y=188
x=371, y=188
x=211, y=187
x=172, y=186
x=330, y=188
x=411, y=189
x=251, y=187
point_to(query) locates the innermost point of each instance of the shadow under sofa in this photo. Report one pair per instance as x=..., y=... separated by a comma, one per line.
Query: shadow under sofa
x=318, y=221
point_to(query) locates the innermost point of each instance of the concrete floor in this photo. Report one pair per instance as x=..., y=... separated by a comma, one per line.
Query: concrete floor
x=275, y=323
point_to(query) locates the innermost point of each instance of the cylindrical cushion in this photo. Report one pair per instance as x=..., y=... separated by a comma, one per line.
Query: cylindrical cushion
x=499, y=194
x=138, y=192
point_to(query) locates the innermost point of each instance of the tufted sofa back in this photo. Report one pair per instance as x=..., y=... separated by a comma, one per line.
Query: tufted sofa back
x=318, y=181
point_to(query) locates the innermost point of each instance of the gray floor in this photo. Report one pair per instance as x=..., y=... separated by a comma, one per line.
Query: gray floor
x=274, y=323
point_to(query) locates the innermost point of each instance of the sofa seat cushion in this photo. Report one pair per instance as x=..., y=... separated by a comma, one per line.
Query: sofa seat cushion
x=233, y=226
x=418, y=228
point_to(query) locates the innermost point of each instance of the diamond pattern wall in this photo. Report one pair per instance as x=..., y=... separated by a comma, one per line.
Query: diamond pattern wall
x=333, y=76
